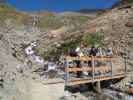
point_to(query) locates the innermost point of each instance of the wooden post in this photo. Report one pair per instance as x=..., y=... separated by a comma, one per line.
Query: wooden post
x=98, y=87
x=111, y=65
x=125, y=66
x=93, y=69
x=66, y=64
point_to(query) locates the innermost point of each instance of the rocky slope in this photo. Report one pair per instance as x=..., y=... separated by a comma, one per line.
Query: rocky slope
x=117, y=26
x=17, y=31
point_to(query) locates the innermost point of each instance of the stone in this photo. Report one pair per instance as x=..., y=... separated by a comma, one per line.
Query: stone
x=130, y=55
x=1, y=36
x=129, y=24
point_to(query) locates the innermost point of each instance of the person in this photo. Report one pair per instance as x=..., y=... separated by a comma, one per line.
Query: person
x=78, y=63
x=72, y=53
x=99, y=52
x=109, y=52
x=85, y=50
x=93, y=51
x=79, y=53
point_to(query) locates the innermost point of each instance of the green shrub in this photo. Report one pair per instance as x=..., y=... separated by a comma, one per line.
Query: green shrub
x=73, y=43
x=93, y=39
x=55, y=52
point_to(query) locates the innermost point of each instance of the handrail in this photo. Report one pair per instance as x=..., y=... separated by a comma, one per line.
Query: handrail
x=89, y=69
x=93, y=69
x=89, y=58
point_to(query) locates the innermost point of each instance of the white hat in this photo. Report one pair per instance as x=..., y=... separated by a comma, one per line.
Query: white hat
x=77, y=50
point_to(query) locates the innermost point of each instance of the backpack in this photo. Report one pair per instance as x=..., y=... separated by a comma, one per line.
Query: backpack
x=73, y=53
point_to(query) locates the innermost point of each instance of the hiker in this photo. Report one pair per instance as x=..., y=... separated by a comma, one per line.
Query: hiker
x=72, y=53
x=85, y=50
x=99, y=52
x=109, y=52
x=93, y=51
x=78, y=62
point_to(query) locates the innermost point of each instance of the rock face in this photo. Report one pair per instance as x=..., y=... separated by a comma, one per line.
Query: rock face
x=13, y=82
x=112, y=25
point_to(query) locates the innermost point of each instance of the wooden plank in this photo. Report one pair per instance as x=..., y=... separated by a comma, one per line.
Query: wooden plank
x=79, y=69
x=89, y=69
x=77, y=82
x=67, y=73
x=89, y=80
x=93, y=68
x=98, y=87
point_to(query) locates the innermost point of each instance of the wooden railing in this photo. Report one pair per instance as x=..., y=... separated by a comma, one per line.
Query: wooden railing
x=91, y=69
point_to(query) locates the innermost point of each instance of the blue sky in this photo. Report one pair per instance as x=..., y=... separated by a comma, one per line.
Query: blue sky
x=61, y=5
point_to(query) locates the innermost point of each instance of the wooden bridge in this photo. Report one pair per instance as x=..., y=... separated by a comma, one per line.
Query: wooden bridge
x=101, y=69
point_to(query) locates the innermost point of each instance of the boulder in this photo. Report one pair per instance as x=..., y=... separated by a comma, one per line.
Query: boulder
x=129, y=24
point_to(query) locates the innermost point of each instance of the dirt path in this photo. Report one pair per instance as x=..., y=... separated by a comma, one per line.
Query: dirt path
x=45, y=92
